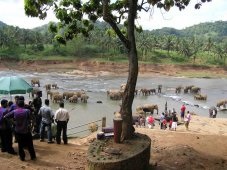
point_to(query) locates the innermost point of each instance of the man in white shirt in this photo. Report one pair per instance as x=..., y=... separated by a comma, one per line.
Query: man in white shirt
x=61, y=118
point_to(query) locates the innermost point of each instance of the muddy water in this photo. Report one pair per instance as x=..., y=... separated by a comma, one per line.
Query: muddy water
x=96, y=87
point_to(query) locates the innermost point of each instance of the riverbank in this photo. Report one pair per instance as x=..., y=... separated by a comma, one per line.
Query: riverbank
x=201, y=147
x=91, y=68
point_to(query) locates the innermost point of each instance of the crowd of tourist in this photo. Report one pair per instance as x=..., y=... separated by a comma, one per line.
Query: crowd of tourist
x=23, y=121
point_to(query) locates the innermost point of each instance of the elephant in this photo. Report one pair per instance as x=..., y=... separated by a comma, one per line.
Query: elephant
x=200, y=97
x=79, y=93
x=67, y=95
x=73, y=99
x=34, y=82
x=84, y=98
x=222, y=103
x=195, y=90
x=139, y=111
x=51, y=93
x=188, y=88
x=57, y=98
x=145, y=92
x=152, y=91
x=34, y=92
x=48, y=87
x=178, y=89
x=148, y=108
x=112, y=90
x=54, y=86
x=116, y=95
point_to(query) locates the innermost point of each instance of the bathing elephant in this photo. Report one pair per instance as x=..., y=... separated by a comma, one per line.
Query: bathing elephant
x=34, y=82
x=84, y=98
x=112, y=90
x=145, y=92
x=67, y=95
x=54, y=86
x=34, y=92
x=79, y=93
x=200, y=97
x=188, y=88
x=73, y=99
x=178, y=89
x=195, y=90
x=116, y=95
x=222, y=103
x=150, y=108
x=57, y=98
x=48, y=87
x=51, y=94
x=152, y=91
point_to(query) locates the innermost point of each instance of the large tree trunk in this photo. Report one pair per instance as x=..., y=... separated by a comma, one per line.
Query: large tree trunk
x=128, y=97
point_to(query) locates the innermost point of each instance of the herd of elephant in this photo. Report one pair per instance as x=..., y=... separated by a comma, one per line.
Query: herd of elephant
x=56, y=96
x=117, y=94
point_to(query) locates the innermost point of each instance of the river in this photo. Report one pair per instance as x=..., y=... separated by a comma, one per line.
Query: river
x=96, y=87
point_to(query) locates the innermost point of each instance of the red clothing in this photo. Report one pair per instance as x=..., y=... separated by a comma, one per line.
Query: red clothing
x=183, y=108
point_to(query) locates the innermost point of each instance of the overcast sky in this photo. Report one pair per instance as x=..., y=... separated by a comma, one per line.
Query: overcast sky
x=12, y=13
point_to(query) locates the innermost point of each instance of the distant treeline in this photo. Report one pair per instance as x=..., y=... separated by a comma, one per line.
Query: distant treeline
x=205, y=43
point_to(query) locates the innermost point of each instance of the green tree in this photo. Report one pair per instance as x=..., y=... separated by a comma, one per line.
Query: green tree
x=72, y=15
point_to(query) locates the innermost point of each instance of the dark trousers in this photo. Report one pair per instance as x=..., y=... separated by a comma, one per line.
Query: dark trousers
x=25, y=141
x=61, y=127
x=6, y=140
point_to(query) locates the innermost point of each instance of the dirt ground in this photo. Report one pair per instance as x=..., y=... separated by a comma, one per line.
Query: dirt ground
x=202, y=147
x=111, y=68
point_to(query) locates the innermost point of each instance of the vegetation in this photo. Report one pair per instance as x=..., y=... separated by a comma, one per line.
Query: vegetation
x=166, y=45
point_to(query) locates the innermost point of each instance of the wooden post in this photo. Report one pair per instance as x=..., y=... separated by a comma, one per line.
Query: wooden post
x=104, y=122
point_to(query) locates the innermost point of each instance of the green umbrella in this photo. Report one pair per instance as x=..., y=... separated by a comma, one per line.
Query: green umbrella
x=14, y=85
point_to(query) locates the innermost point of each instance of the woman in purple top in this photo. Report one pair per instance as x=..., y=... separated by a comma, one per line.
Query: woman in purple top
x=22, y=119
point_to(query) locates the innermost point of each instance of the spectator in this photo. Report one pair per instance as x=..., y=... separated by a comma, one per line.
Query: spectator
x=174, y=122
x=47, y=115
x=22, y=119
x=182, y=113
x=187, y=120
x=61, y=117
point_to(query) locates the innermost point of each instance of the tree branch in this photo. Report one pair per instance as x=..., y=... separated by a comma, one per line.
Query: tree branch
x=108, y=18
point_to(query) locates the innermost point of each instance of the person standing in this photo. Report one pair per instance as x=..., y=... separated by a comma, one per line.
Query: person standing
x=22, y=119
x=37, y=103
x=174, y=122
x=5, y=130
x=187, y=120
x=61, y=118
x=182, y=113
x=47, y=116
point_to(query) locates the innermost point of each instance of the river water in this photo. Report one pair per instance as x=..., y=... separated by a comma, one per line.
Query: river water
x=96, y=87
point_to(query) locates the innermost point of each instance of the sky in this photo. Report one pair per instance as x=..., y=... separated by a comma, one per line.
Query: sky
x=12, y=13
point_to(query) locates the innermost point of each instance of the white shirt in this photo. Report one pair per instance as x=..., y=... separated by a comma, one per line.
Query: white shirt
x=61, y=115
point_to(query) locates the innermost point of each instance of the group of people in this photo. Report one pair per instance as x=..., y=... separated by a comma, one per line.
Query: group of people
x=172, y=119
x=167, y=119
x=23, y=120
